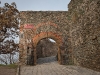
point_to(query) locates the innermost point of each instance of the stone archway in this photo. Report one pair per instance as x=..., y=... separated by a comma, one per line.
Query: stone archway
x=52, y=35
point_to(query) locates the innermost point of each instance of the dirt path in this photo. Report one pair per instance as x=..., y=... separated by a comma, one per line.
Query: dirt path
x=7, y=71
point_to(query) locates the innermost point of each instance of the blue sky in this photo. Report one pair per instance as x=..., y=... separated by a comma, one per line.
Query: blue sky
x=39, y=5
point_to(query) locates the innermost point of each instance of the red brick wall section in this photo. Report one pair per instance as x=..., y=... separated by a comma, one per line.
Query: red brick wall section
x=39, y=25
x=52, y=35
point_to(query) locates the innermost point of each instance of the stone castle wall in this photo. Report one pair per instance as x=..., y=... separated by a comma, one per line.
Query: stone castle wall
x=45, y=24
x=84, y=23
x=78, y=28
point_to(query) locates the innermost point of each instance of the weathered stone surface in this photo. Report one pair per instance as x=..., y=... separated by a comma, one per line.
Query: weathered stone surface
x=46, y=24
x=76, y=31
x=85, y=31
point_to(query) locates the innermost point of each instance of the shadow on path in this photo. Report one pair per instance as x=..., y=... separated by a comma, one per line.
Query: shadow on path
x=47, y=60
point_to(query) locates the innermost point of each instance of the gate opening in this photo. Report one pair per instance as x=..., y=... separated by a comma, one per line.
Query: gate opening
x=47, y=51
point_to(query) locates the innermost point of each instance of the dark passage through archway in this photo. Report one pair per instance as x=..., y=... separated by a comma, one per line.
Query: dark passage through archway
x=47, y=51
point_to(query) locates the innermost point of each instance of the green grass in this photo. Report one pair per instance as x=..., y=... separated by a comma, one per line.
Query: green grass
x=2, y=65
x=14, y=66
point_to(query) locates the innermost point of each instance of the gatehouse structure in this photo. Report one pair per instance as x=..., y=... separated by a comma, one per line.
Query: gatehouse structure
x=76, y=32
x=43, y=24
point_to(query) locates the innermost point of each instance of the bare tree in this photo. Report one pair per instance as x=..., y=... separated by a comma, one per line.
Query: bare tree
x=9, y=22
x=9, y=28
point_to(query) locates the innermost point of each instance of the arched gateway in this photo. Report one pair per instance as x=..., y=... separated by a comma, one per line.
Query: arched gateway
x=34, y=28
x=52, y=35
